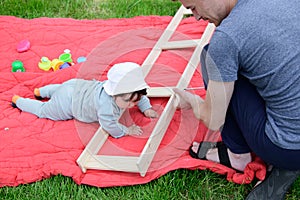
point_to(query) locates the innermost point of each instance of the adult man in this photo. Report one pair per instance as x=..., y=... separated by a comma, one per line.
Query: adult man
x=252, y=72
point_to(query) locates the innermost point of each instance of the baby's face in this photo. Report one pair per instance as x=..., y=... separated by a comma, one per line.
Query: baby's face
x=124, y=102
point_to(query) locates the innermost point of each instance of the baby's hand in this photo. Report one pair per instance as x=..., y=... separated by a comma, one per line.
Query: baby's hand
x=150, y=113
x=134, y=130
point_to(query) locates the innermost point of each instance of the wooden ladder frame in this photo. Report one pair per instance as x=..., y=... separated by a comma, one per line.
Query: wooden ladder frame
x=140, y=164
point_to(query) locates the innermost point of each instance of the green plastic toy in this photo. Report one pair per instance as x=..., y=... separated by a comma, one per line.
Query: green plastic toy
x=66, y=56
x=17, y=66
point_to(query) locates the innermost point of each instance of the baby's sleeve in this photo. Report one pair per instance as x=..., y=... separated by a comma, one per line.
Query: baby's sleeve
x=144, y=103
x=113, y=127
x=108, y=117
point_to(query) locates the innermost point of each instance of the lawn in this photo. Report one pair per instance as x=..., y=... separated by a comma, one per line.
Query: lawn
x=179, y=184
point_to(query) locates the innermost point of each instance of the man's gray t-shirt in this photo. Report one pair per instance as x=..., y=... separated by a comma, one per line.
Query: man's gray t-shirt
x=260, y=40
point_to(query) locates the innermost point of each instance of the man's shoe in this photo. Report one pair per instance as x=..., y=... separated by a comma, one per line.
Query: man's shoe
x=275, y=185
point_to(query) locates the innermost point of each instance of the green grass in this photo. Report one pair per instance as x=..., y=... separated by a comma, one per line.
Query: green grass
x=179, y=184
x=87, y=9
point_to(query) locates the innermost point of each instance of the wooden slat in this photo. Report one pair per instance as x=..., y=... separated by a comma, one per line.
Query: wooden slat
x=194, y=60
x=156, y=136
x=165, y=37
x=181, y=44
x=113, y=163
x=160, y=91
x=92, y=148
x=187, y=11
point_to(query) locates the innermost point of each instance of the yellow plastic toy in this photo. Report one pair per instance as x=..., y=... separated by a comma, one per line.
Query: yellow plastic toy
x=56, y=63
x=45, y=64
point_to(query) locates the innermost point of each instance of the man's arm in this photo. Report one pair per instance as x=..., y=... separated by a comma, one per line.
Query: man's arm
x=212, y=110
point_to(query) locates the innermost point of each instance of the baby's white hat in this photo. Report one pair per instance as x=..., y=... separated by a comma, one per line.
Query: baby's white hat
x=124, y=78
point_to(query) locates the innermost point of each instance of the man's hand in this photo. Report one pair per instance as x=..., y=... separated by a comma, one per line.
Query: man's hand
x=188, y=100
x=182, y=101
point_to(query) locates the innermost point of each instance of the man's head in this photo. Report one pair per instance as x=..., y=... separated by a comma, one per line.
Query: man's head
x=212, y=10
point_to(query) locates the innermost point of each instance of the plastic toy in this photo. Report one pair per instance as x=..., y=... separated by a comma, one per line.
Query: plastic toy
x=23, y=46
x=64, y=61
x=17, y=66
x=65, y=65
x=66, y=56
x=45, y=64
x=56, y=63
x=81, y=59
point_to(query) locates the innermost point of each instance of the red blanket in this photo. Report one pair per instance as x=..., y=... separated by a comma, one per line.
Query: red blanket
x=32, y=149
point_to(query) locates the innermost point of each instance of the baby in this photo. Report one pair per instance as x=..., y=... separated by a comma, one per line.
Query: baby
x=92, y=100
